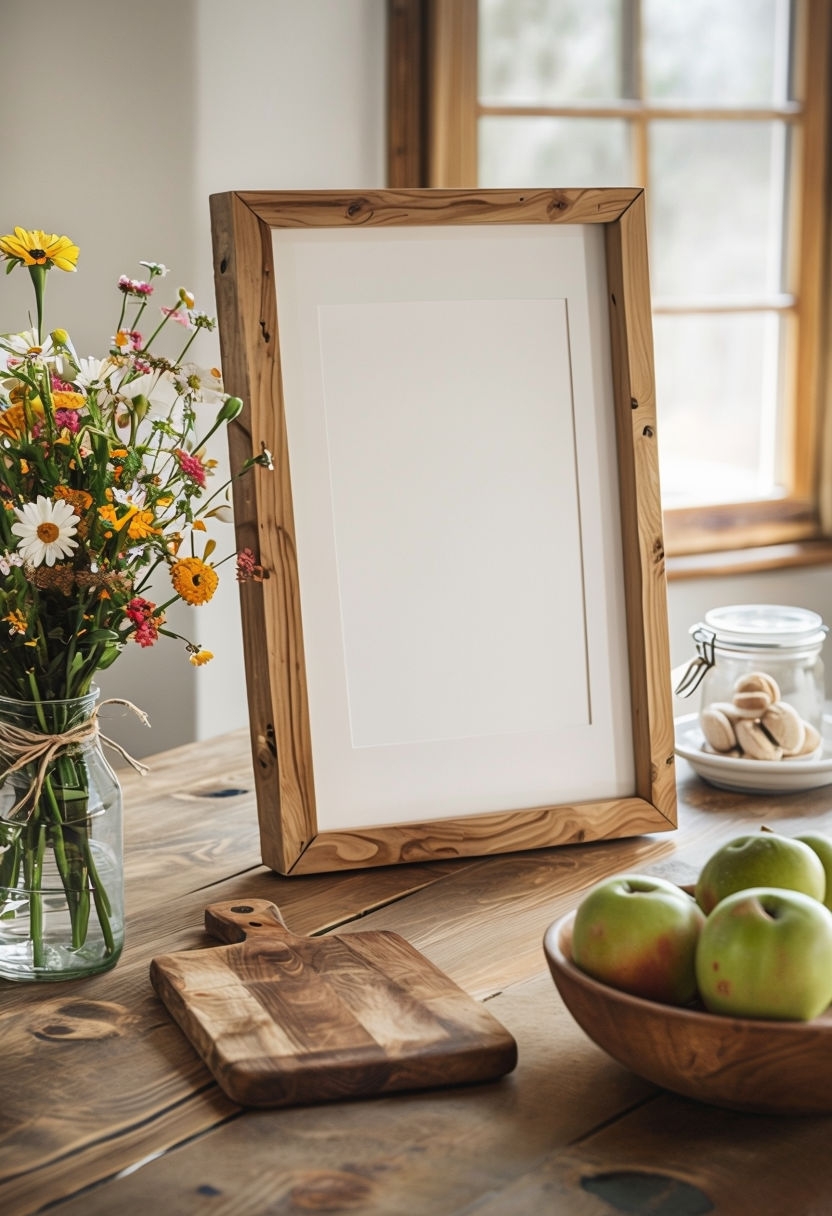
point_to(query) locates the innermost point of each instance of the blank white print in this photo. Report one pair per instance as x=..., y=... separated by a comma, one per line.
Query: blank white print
x=451, y=451
x=461, y=584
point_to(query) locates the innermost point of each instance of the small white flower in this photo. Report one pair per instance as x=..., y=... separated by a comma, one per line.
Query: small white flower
x=7, y=560
x=45, y=529
x=133, y=497
x=155, y=268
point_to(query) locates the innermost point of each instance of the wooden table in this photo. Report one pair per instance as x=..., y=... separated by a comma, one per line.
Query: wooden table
x=107, y=1109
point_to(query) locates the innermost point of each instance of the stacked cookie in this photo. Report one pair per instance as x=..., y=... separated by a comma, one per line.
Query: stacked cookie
x=756, y=724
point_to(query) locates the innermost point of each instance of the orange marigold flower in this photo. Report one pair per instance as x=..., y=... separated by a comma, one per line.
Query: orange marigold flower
x=79, y=500
x=194, y=580
x=141, y=525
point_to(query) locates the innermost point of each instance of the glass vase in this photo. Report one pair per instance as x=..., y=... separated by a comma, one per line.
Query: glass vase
x=61, y=860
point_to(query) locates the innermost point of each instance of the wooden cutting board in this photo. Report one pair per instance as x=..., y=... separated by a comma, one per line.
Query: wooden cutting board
x=282, y=1020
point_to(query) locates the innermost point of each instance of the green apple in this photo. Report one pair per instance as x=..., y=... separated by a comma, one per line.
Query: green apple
x=639, y=934
x=822, y=845
x=764, y=859
x=766, y=953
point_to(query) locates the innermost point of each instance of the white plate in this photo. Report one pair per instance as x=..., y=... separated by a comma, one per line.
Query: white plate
x=753, y=776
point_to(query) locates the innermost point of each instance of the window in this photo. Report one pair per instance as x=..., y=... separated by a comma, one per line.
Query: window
x=719, y=110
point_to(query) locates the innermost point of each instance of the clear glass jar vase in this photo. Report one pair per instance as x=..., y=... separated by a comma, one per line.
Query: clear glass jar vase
x=61, y=858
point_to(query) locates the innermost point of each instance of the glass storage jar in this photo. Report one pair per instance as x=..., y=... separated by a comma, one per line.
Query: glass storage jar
x=772, y=640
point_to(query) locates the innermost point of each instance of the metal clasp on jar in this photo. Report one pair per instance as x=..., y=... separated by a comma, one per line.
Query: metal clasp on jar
x=691, y=674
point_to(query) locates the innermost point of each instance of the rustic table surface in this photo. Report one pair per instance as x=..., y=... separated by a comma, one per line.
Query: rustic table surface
x=106, y=1108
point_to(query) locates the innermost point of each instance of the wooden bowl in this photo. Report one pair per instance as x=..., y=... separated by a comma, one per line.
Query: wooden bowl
x=746, y=1064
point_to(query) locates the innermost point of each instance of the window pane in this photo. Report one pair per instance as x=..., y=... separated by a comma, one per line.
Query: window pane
x=728, y=52
x=541, y=51
x=555, y=152
x=717, y=391
x=716, y=207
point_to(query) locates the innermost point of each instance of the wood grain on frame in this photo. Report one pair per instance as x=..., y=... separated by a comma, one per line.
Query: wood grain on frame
x=278, y=703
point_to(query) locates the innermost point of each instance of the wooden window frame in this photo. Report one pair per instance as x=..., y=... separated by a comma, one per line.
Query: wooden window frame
x=433, y=110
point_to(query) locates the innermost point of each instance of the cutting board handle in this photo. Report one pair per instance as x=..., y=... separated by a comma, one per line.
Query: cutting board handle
x=238, y=919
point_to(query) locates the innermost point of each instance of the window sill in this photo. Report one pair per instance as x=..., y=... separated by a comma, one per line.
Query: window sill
x=749, y=561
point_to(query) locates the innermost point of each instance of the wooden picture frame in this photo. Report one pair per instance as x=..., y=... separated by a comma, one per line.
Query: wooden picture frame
x=272, y=252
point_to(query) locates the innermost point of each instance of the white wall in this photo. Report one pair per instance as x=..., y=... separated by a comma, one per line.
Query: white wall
x=115, y=133
x=122, y=120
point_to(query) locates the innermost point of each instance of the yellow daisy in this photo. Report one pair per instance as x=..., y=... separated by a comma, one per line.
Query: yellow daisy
x=38, y=248
x=199, y=657
x=194, y=580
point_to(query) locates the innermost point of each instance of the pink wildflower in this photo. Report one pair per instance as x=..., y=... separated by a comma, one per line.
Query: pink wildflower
x=61, y=386
x=247, y=568
x=134, y=287
x=67, y=420
x=191, y=466
x=140, y=609
x=141, y=612
x=180, y=316
x=146, y=633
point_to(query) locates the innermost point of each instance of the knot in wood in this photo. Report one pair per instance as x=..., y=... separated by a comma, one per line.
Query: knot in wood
x=331, y=1191
x=359, y=208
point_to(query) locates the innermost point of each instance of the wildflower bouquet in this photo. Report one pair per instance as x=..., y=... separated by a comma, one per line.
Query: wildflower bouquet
x=103, y=487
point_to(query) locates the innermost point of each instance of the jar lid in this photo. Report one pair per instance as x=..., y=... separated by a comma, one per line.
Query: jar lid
x=762, y=626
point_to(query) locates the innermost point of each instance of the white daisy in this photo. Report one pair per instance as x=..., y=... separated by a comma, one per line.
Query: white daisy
x=92, y=373
x=201, y=383
x=134, y=496
x=26, y=346
x=45, y=529
x=157, y=386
